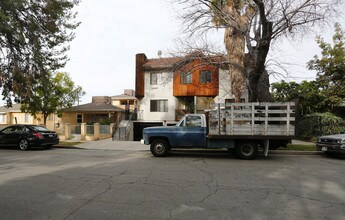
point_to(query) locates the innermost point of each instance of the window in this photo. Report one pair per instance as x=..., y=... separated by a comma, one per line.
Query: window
x=186, y=78
x=79, y=118
x=8, y=130
x=155, y=78
x=159, y=105
x=193, y=121
x=27, y=116
x=124, y=102
x=205, y=76
x=2, y=118
x=39, y=128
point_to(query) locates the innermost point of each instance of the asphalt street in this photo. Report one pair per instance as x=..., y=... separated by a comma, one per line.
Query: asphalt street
x=122, y=180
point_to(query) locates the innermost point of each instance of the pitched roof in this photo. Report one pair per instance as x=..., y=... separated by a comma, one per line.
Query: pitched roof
x=161, y=63
x=93, y=107
x=173, y=62
x=14, y=108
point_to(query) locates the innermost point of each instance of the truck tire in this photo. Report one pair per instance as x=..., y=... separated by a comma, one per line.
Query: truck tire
x=246, y=150
x=159, y=148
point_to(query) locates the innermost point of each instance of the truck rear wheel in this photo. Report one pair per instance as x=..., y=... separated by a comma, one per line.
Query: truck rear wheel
x=246, y=150
x=159, y=148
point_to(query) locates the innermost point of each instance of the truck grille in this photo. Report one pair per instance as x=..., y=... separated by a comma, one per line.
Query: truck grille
x=327, y=141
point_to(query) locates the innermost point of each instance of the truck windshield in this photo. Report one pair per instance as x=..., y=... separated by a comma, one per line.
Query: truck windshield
x=190, y=121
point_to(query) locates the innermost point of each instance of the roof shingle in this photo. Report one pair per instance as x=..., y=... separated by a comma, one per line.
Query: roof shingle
x=93, y=107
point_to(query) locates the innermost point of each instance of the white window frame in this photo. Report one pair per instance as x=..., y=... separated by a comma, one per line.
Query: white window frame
x=27, y=118
x=2, y=118
x=159, y=105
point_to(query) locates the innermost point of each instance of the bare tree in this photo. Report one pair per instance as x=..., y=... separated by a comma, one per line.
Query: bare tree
x=255, y=25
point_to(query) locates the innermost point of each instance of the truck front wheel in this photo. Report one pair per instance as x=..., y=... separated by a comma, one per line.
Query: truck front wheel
x=246, y=150
x=159, y=148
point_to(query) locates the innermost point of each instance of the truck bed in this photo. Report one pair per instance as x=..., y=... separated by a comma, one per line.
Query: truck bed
x=252, y=120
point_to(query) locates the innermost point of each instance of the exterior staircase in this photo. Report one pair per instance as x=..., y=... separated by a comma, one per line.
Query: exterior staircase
x=123, y=130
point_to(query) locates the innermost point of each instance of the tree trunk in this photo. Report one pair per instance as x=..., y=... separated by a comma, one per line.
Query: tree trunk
x=234, y=40
x=45, y=119
x=255, y=75
x=234, y=43
x=258, y=77
x=258, y=87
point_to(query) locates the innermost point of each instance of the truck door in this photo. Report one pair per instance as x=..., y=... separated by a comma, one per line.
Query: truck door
x=192, y=133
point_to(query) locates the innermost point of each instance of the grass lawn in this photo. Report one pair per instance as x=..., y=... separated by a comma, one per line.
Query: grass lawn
x=299, y=147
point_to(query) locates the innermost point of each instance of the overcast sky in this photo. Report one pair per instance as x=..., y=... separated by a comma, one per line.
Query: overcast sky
x=102, y=55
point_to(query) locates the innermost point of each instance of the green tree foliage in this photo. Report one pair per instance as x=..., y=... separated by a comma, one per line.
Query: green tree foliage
x=330, y=68
x=306, y=93
x=284, y=91
x=317, y=98
x=317, y=124
x=311, y=101
x=328, y=90
x=33, y=41
x=52, y=92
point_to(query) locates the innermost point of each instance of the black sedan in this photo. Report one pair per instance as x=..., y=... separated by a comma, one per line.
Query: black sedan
x=331, y=144
x=26, y=136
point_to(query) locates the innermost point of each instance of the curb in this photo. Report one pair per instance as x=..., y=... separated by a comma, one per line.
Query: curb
x=275, y=152
x=294, y=152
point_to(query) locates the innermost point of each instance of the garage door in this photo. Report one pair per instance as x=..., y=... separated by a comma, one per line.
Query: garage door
x=139, y=126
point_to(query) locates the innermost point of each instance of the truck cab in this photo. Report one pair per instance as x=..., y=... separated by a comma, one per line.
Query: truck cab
x=190, y=131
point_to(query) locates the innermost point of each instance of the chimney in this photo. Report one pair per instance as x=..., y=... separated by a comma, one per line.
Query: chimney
x=140, y=60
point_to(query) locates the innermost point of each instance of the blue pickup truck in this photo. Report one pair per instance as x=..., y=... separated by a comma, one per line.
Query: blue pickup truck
x=239, y=127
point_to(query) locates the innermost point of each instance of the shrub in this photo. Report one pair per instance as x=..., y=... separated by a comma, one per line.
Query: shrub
x=317, y=124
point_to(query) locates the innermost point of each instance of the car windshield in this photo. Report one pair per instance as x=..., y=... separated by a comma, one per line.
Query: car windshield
x=39, y=128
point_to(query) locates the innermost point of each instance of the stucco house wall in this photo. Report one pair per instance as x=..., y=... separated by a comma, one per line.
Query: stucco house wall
x=163, y=90
x=69, y=117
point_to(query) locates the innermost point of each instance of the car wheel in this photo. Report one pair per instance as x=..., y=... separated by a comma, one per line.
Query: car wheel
x=246, y=150
x=159, y=148
x=24, y=144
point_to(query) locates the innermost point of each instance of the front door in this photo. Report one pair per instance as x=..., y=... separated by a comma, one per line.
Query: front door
x=192, y=132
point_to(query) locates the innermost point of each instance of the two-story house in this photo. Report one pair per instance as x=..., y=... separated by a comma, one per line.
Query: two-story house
x=167, y=88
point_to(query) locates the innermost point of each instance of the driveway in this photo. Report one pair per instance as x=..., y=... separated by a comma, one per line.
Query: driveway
x=116, y=180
